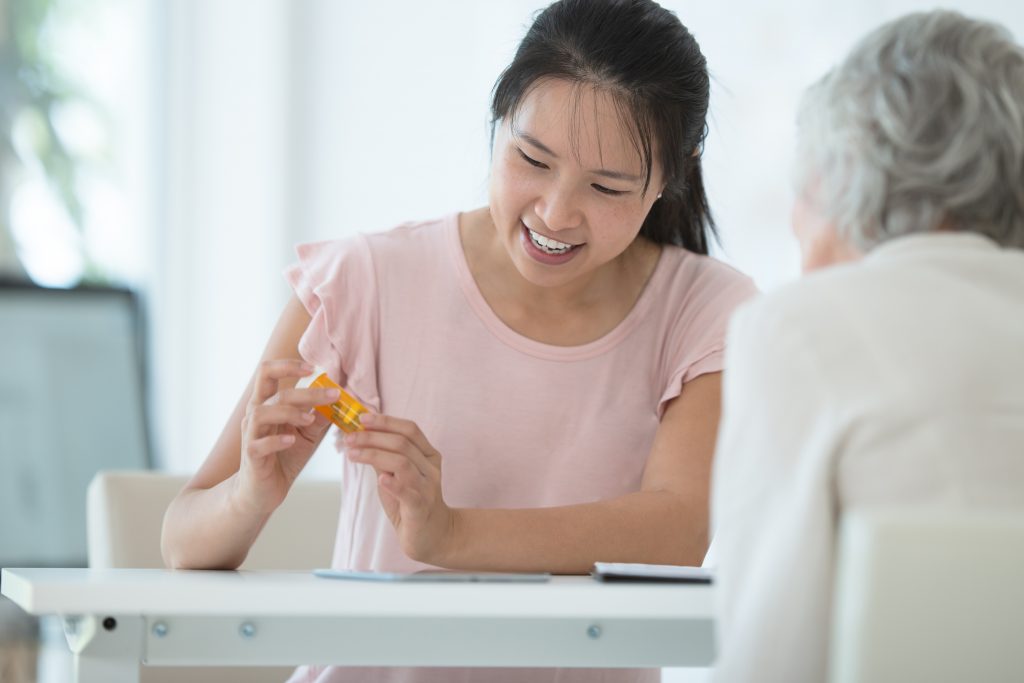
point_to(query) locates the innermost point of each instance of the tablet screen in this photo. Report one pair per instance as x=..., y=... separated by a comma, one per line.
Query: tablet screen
x=437, y=575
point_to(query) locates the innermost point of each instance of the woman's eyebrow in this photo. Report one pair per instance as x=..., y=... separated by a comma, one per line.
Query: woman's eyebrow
x=614, y=175
x=523, y=135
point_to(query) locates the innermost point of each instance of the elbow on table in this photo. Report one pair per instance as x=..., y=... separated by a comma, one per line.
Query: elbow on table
x=181, y=550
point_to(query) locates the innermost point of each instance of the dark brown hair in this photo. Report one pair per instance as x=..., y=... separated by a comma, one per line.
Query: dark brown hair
x=649, y=62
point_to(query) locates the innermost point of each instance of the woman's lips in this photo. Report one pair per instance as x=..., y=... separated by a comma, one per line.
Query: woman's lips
x=542, y=256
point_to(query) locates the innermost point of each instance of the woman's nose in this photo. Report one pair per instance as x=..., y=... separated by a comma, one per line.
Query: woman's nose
x=558, y=209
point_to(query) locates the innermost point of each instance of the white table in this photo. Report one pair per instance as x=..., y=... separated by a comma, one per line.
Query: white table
x=115, y=618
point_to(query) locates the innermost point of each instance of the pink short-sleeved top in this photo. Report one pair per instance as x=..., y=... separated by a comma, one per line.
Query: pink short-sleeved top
x=397, y=318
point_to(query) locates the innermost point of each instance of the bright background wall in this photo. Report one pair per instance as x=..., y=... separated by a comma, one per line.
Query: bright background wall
x=292, y=121
x=246, y=126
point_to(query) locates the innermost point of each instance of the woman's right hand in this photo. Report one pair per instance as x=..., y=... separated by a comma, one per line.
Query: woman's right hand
x=280, y=433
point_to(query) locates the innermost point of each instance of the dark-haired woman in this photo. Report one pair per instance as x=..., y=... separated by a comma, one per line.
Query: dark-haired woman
x=559, y=349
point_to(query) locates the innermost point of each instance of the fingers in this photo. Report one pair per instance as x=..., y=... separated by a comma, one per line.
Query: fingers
x=271, y=408
x=388, y=462
x=308, y=397
x=375, y=423
x=268, y=445
x=387, y=442
x=263, y=420
x=407, y=466
x=271, y=372
x=275, y=419
x=400, y=485
x=410, y=495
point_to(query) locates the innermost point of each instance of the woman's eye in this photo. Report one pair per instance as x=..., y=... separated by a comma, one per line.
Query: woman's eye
x=604, y=190
x=530, y=161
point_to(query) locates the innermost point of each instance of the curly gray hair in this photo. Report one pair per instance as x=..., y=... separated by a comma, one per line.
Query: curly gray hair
x=920, y=128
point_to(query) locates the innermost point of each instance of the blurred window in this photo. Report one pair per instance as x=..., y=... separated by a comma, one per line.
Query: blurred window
x=73, y=105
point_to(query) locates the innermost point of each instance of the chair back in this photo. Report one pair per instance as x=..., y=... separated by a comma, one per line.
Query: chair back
x=125, y=512
x=929, y=595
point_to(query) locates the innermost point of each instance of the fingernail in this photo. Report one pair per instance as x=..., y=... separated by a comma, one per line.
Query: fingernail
x=349, y=439
x=331, y=394
x=287, y=439
x=368, y=418
x=353, y=453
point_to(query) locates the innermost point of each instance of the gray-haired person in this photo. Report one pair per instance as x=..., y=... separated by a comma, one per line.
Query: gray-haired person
x=892, y=373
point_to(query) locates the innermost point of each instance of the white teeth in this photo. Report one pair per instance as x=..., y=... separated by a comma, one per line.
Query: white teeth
x=549, y=245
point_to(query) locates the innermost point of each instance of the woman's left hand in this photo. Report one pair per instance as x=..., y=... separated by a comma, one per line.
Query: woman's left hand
x=408, y=483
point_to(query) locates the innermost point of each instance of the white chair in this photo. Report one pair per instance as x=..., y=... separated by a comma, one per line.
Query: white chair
x=929, y=595
x=124, y=514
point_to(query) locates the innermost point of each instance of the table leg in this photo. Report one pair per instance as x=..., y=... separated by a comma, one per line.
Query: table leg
x=107, y=649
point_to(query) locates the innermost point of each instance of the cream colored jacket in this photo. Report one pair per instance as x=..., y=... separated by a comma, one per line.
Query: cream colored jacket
x=898, y=379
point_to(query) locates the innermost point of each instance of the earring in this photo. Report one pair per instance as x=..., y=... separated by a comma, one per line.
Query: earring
x=659, y=196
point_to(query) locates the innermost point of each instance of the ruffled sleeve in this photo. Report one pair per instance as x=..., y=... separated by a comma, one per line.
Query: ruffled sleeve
x=697, y=341
x=336, y=282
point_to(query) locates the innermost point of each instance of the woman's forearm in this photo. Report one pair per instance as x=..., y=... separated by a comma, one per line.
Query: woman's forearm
x=209, y=528
x=654, y=527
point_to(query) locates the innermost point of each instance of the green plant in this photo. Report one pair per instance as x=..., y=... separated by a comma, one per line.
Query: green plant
x=31, y=87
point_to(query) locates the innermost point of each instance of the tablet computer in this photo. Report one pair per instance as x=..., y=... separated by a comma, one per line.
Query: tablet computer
x=622, y=571
x=434, y=576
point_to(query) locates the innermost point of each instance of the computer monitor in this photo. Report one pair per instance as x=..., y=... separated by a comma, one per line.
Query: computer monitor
x=72, y=402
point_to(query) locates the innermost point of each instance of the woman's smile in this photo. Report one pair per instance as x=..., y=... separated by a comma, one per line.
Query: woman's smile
x=547, y=250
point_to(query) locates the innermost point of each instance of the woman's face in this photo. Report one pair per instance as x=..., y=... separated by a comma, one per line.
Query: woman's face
x=566, y=192
x=820, y=243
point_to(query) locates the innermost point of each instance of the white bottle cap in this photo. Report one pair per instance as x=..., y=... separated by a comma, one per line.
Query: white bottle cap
x=306, y=381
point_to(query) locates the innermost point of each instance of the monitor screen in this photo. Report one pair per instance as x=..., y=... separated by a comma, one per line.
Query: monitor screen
x=72, y=402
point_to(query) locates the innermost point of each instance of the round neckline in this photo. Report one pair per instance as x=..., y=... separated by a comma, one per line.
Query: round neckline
x=525, y=344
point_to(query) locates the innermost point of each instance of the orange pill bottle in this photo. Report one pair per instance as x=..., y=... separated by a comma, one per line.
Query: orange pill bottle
x=345, y=411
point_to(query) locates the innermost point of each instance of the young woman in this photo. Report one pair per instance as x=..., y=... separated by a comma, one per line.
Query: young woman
x=559, y=350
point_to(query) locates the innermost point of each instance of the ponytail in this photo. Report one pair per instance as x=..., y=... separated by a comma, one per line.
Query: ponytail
x=683, y=216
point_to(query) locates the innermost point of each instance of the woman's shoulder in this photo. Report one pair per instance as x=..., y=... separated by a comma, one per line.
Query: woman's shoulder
x=407, y=236
x=699, y=282
x=413, y=238
x=396, y=247
x=685, y=266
